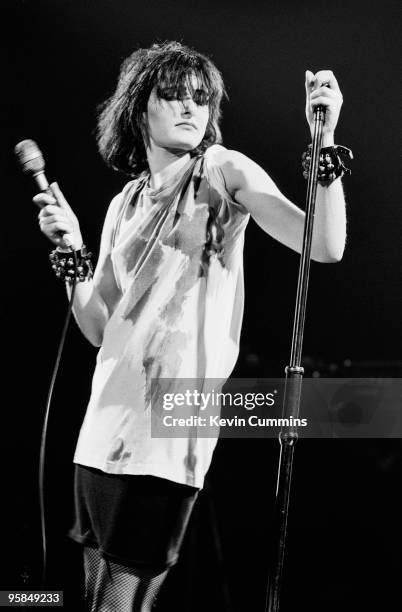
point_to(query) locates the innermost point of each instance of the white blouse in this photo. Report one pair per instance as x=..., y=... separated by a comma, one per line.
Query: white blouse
x=179, y=317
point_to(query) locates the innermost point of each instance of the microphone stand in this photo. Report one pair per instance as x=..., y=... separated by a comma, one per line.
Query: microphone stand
x=294, y=376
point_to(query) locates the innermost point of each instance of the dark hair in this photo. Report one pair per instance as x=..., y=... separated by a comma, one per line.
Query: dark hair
x=169, y=67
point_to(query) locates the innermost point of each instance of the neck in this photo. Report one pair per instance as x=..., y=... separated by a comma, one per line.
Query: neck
x=164, y=163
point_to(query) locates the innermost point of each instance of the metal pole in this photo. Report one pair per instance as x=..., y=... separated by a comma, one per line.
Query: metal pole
x=294, y=377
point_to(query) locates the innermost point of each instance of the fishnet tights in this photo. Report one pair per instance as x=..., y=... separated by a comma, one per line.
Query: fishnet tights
x=110, y=587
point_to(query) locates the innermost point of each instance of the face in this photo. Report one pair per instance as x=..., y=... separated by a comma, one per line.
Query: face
x=177, y=124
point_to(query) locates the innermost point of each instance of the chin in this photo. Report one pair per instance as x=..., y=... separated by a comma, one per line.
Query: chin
x=183, y=146
x=189, y=145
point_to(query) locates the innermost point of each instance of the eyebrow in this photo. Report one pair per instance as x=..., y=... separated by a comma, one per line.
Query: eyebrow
x=180, y=87
x=171, y=92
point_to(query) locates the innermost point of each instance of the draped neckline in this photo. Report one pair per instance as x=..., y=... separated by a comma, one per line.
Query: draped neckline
x=168, y=185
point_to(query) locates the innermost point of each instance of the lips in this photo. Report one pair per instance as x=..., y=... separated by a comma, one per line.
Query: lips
x=187, y=123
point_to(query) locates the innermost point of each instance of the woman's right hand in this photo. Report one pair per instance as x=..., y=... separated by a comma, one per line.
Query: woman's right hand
x=57, y=216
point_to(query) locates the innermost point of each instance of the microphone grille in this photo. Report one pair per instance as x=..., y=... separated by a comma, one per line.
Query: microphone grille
x=30, y=157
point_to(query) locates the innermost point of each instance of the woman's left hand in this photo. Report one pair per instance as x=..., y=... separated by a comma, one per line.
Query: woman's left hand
x=322, y=89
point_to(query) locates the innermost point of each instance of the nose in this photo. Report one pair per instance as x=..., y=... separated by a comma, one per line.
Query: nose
x=187, y=104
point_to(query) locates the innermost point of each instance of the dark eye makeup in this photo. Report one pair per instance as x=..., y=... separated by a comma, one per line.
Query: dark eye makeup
x=200, y=96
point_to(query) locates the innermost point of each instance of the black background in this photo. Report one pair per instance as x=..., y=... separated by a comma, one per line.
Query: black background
x=60, y=61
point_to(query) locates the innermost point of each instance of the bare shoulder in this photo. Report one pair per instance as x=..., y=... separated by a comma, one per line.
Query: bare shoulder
x=240, y=172
x=225, y=158
x=233, y=165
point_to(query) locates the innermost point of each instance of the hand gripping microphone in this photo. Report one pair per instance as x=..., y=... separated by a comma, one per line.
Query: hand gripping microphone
x=32, y=164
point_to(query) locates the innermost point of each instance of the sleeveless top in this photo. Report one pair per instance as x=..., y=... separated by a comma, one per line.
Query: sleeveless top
x=179, y=317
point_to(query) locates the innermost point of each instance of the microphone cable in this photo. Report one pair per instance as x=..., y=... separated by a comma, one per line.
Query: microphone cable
x=46, y=419
x=32, y=164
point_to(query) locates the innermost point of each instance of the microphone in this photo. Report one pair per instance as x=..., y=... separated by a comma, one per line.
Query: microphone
x=32, y=164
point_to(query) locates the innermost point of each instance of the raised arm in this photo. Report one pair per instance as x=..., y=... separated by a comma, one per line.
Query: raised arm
x=95, y=299
x=251, y=186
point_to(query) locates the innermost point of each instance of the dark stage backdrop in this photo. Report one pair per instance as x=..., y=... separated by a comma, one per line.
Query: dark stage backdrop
x=61, y=60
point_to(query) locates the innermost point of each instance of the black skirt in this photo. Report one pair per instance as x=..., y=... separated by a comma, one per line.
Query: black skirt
x=137, y=521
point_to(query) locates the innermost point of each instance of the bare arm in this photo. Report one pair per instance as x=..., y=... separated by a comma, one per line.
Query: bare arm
x=94, y=299
x=251, y=186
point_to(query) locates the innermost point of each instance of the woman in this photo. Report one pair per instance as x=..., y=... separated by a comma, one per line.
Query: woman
x=166, y=301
